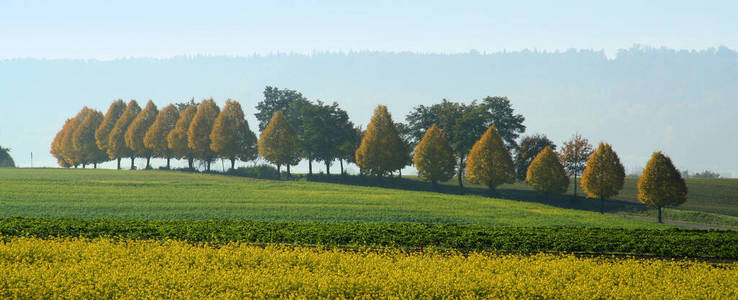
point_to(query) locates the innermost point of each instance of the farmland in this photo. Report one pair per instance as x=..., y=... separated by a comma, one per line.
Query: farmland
x=178, y=195
x=103, y=268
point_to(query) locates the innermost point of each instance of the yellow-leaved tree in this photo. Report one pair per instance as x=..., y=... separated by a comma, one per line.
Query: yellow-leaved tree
x=661, y=184
x=177, y=138
x=198, y=135
x=56, y=146
x=546, y=174
x=434, y=158
x=278, y=142
x=117, y=148
x=84, y=142
x=381, y=151
x=156, y=137
x=489, y=161
x=73, y=157
x=102, y=133
x=231, y=137
x=137, y=130
x=604, y=175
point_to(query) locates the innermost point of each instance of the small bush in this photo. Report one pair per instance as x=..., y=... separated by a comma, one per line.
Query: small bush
x=258, y=171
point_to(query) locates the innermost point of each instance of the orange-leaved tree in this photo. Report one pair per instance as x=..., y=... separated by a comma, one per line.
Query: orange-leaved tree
x=137, y=130
x=116, y=141
x=434, y=158
x=604, y=175
x=156, y=137
x=231, y=137
x=84, y=142
x=278, y=142
x=102, y=133
x=489, y=161
x=381, y=151
x=198, y=135
x=73, y=157
x=546, y=174
x=177, y=138
x=574, y=155
x=661, y=184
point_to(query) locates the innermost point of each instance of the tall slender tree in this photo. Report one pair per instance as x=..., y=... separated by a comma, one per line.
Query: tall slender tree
x=434, y=158
x=177, y=138
x=117, y=147
x=382, y=151
x=156, y=137
x=278, y=142
x=198, y=135
x=137, y=131
x=489, y=161
x=73, y=157
x=83, y=139
x=231, y=137
x=56, y=146
x=102, y=133
x=604, y=175
x=661, y=184
x=546, y=174
x=574, y=156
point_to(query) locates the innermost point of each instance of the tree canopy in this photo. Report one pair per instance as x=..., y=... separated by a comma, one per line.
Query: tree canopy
x=434, y=159
x=661, y=184
x=102, y=133
x=83, y=139
x=275, y=99
x=177, y=138
x=382, y=150
x=546, y=174
x=604, y=175
x=198, y=135
x=528, y=149
x=574, y=155
x=489, y=161
x=117, y=147
x=231, y=137
x=6, y=161
x=278, y=141
x=137, y=131
x=156, y=136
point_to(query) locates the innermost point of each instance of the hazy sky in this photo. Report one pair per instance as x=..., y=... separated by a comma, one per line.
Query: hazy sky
x=115, y=29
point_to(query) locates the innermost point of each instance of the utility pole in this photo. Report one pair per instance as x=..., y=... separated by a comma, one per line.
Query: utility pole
x=31, y=159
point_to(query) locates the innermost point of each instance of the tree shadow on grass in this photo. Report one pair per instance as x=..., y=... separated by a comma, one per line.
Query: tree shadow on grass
x=561, y=201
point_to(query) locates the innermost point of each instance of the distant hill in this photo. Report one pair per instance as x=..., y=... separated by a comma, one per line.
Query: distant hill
x=643, y=100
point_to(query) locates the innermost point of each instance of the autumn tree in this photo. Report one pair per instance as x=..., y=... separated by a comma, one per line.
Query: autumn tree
x=177, y=138
x=73, y=157
x=231, y=137
x=102, y=133
x=56, y=146
x=489, y=161
x=546, y=174
x=528, y=149
x=574, y=155
x=137, y=131
x=382, y=151
x=198, y=135
x=156, y=136
x=117, y=147
x=83, y=139
x=433, y=157
x=463, y=124
x=277, y=99
x=278, y=141
x=661, y=184
x=604, y=175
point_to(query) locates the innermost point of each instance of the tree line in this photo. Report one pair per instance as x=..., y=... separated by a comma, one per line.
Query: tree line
x=443, y=140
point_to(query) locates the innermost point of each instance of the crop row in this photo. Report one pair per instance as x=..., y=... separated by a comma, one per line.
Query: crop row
x=676, y=243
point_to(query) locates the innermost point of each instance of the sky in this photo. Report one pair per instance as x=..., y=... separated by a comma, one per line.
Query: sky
x=116, y=29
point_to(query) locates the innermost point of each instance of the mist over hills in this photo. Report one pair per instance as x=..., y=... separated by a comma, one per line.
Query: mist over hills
x=682, y=102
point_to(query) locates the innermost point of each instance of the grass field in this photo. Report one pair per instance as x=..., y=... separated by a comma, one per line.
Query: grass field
x=178, y=195
x=102, y=268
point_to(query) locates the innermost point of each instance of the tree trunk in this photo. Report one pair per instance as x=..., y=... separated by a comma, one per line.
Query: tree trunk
x=327, y=168
x=84, y=165
x=168, y=160
x=399, y=173
x=191, y=162
x=575, y=185
x=148, y=162
x=208, y=165
x=75, y=166
x=279, y=170
x=233, y=163
x=133, y=158
x=118, y=163
x=660, y=215
x=94, y=165
x=461, y=172
x=310, y=166
x=288, y=170
x=340, y=162
x=602, y=205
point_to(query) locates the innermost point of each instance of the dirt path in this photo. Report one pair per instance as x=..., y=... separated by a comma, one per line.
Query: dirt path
x=678, y=223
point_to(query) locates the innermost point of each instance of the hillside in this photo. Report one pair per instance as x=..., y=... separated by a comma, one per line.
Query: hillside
x=176, y=195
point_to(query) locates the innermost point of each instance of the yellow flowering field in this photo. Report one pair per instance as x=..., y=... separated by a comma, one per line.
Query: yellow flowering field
x=102, y=268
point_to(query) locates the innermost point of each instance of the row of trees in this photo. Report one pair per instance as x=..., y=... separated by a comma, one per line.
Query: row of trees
x=193, y=131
